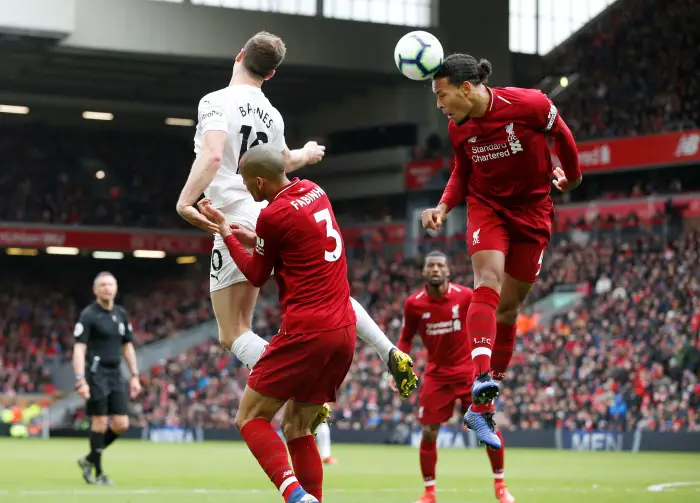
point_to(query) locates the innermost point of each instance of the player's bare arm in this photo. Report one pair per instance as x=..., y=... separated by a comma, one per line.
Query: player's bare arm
x=569, y=176
x=455, y=192
x=311, y=153
x=201, y=175
x=244, y=235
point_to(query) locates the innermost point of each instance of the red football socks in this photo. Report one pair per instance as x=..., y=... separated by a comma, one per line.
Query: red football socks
x=481, y=327
x=497, y=458
x=428, y=463
x=307, y=464
x=269, y=450
x=502, y=350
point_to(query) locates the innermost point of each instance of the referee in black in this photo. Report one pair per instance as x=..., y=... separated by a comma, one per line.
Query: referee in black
x=103, y=333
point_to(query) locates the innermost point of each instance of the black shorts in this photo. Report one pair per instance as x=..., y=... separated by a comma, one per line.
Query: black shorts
x=108, y=394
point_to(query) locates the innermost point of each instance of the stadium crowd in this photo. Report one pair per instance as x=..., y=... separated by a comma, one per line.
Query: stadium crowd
x=49, y=173
x=635, y=78
x=37, y=320
x=627, y=356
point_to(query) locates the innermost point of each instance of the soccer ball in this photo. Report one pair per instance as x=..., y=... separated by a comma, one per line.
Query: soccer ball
x=418, y=55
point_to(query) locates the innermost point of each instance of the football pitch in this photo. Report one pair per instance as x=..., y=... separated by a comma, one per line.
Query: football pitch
x=39, y=471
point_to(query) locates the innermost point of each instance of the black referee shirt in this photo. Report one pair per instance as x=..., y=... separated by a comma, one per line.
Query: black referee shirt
x=104, y=332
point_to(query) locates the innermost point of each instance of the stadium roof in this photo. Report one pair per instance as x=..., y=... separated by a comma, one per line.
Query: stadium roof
x=35, y=72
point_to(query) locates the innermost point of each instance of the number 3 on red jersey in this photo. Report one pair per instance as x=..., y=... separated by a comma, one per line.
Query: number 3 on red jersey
x=325, y=216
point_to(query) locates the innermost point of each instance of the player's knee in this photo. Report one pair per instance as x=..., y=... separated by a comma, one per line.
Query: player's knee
x=489, y=277
x=241, y=420
x=120, y=424
x=507, y=312
x=99, y=424
x=430, y=432
x=293, y=428
x=225, y=344
x=228, y=336
x=226, y=340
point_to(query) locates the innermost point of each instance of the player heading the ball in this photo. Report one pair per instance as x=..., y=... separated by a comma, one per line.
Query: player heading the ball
x=504, y=170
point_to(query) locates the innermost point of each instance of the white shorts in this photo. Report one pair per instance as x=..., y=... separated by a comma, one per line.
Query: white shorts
x=223, y=271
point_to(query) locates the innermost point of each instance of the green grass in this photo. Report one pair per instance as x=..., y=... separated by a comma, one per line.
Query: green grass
x=33, y=471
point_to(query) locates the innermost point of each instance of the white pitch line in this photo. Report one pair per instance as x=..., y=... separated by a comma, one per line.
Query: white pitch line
x=657, y=488
x=175, y=492
x=153, y=492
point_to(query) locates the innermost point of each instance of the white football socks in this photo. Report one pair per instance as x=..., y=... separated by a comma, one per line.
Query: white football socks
x=248, y=348
x=369, y=331
x=323, y=439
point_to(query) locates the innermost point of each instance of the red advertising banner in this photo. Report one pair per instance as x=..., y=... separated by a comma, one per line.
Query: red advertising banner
x=104, y=239
x=597, y=156
x=394, y=233
x=640, y=151
x=645, y=208
x=418, y=173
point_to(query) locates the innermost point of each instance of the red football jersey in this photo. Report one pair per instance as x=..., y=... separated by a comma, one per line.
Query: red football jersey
x=504, y=157
x=442, y=324
x=298, y=236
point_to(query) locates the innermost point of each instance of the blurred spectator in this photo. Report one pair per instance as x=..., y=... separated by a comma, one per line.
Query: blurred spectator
x=636, y=78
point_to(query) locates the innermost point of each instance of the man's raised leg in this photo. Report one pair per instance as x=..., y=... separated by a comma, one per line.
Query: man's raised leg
x=513, y=295
x=489, y=271
x=306, y=459
x=233, y=308
x=253, y=420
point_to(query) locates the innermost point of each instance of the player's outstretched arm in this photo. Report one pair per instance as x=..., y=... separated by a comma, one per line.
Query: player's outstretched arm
x=569, y=176
x=257, y=267
x=201, y=175
x=311, y=153
x=455, y=192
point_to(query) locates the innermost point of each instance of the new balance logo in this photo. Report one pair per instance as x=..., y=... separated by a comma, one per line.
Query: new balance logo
x=688, y=145
x=287, y=474
x=472, y=139
x=475, y=237
x=426, y=316
x=260, y=246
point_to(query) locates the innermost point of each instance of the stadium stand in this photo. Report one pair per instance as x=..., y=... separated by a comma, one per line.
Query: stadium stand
x=623, y=91
x=626, y=357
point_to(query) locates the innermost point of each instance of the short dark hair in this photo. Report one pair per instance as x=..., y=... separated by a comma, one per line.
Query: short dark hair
x=263, y=54
x=460, y=68
x=435, y=254
x=103, y=274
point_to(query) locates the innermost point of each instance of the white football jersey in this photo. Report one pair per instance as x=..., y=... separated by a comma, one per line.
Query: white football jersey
x=247, y=116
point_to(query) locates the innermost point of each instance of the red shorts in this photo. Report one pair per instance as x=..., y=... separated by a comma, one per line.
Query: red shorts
x=438, y=398
x=522, y=234
x=307, y=368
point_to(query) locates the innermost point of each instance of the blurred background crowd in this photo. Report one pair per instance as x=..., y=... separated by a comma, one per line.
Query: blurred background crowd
x=625, y=355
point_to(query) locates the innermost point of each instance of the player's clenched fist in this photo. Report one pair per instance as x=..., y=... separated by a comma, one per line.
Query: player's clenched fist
x=433, y=218
x=562, y=183
x=214, y=216
x=314, y=152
